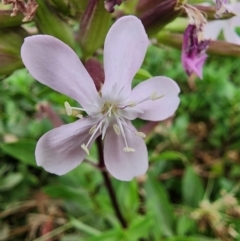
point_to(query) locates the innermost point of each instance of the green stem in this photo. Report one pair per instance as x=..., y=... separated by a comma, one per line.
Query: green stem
x=108, y=184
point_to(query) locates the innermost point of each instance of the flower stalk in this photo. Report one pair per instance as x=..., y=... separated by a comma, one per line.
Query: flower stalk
x=220, y=48
x=108, y=184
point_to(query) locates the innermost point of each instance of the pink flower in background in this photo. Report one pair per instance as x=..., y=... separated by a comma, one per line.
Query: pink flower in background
x=111, y=110
x=222, y=6
x=228, y=26
x=193, y=51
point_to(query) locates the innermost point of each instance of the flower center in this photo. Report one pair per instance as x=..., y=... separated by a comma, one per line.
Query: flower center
x=111, y=115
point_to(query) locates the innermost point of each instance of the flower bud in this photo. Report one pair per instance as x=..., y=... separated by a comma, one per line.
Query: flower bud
x=94, y=26
x=7, y=21
x=158, y=14
x=49, y=23
x=10, y=44
x=110, y=4
x=193, y=51
x=28, y=9
x=95, y=69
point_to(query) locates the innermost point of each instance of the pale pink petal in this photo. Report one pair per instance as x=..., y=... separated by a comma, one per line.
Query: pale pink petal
x=125, y=165
x=235, y=7
x=130, y=113
x=124, y=50
x=229, y=31
x=162, y=108
x=59, y=150
x=213, y=29
x=56, y=65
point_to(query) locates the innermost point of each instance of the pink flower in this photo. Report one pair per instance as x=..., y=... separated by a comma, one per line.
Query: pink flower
x=228, y=26
x=111, y=110
x=222, y=6
x=193, y=51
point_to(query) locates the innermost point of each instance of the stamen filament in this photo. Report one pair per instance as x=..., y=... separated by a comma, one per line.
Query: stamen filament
x=105, y=128
x=94, y=132
x=137, y=133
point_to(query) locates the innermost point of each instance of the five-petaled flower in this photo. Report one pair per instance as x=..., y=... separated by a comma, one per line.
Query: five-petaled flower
x=111, y=110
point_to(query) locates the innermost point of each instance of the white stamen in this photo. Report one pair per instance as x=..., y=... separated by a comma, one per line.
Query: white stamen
x=92, y=129
x=94, y=132
x=79, y=116
x=128, y=149
x=116, y=129
x=109, y=111
x=68, y=108
x=120, y=125
x=84, y=147
x=141, y=134
x=105, y=126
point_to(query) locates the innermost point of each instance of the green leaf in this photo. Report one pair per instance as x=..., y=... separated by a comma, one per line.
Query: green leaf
x=84, y=227
x=158, y=204
x=139, y=228
x=21, y=150
x=194, y=238
x=115, y=234
x=143, y=74
x=10, y=181
x=128, y=190
x=192, y=188
x=169, y=156
x=184, y=224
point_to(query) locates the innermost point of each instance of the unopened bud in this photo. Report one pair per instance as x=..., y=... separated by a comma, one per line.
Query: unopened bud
x=7, y=21
x=10, y=45
x=193, y=51
x=158, y=14
x=49, y=23
x=110, y=4
x=28, y=9
x=95, y=69
x=94, y=26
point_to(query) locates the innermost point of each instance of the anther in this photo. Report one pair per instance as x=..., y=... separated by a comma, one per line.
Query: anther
x=68, y=108
x=154, y=96
x=141, y=134
x=93, y=128
x=84, y=147
x=79, y=116
x=116, y=129
x=128, y=149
